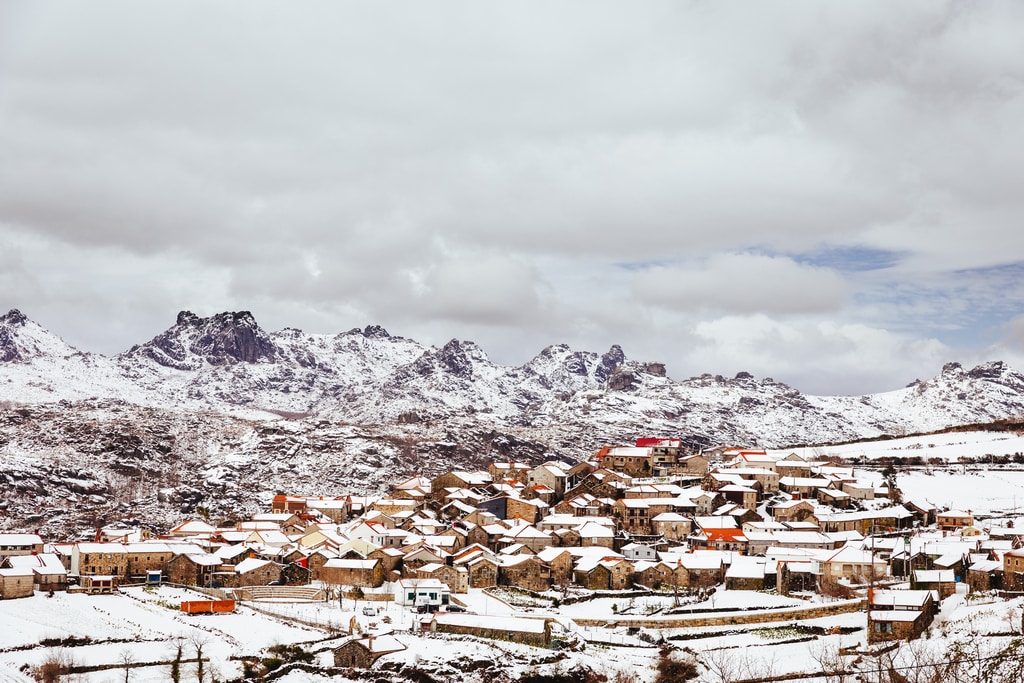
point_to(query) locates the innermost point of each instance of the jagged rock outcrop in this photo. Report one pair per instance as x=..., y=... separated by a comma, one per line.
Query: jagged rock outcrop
x=227, y=362
x=222, y=339
x=9, y=350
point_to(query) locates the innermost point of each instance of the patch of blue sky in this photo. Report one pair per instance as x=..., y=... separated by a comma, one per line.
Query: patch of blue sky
x=961, y=308
x=637, y=266
x=852, y=259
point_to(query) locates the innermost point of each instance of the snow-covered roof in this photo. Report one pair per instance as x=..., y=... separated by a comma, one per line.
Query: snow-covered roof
x=338, y=563
x=15, y=539
x=894, y=615
x=746, y=567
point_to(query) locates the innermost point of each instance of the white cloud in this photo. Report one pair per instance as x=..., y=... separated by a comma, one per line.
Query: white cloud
x=482, y=171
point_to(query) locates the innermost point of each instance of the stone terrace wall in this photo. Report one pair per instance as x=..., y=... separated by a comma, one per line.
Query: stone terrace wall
x=731, y=618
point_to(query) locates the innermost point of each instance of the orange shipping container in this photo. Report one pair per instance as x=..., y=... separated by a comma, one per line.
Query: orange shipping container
x=207, y=606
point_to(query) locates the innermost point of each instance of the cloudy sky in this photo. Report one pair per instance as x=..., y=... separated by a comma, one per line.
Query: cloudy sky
x=824, y=193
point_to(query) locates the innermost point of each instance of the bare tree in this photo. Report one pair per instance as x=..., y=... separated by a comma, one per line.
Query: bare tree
x=828, y=657
x=723, y=665
x=126, y=659
x=198, y=643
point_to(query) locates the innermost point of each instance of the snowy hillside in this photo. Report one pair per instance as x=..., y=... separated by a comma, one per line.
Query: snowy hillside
x=218, y=412
x=227, y=363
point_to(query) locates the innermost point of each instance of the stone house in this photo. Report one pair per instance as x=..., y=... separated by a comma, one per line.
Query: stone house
x=654, y=575
x=525, y=571
x=985, y=575
x=608, y=573
x=1013, y=570
x=315, y=562
x=792, y=511
x=254, y=572
x=361, y=653
x=295, y=574
x=391, y=558
x=510, y=471
x=695, y=465
x=850, y=564
x=530, y=511
x=483, y=571
x=593, y=534
x=352, y=572
x=560, y=561
x=802, y=487
x=744, y=496
x=48, y=572
x=566, y=538
x=16, y=582
x=953, y=520
x=672, y=526
x=899, y=614
x=193, y=570
x=634, y=515
x=527, y=535
x=746, y=573
x=834, y=497
x=942, y=581
x=141, y=558
x=99, y=558
x=703, y=569
x=553, y=475
x=456, y=578
x=457, y=479
x=630, y=460
x=417, y=557
x=20, y=544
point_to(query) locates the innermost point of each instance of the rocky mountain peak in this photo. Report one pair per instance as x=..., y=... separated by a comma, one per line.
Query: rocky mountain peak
x=610, y=362
x=991, y=370
x=188, y=319
x=952, y=368
x=233, y=337
x=222, y=339
x=456, y=359
x=375, y=332
x=8, y=343
x=23, y=340
x=13, y=317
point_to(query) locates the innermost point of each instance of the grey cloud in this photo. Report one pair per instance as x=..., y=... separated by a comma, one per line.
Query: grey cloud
x=742, y=283
x=346, y=164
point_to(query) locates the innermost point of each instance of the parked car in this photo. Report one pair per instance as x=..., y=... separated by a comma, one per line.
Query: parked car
x=370, y=611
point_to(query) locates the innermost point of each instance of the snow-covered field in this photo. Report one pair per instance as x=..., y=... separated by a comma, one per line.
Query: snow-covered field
x=949, y=447
x=137, y=626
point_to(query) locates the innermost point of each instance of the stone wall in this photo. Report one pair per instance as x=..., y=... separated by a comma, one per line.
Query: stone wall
x=733, y=618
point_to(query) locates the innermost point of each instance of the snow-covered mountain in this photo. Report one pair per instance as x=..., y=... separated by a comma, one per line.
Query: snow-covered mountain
x=227, y=363
x=220, y=402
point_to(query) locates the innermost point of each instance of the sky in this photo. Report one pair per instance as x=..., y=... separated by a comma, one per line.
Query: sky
x=822, y=193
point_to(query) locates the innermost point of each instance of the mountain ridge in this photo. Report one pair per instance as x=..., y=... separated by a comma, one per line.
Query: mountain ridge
x=218, y=414
x=227, y=362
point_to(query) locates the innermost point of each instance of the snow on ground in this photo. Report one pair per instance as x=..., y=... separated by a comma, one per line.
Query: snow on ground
x=947, y=447
x=135, y=623
x=138, y=624
x=992, y=491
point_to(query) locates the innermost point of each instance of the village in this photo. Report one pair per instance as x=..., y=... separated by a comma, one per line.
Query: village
x=650, y=519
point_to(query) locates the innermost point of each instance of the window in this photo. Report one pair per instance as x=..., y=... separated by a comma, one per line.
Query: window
x=883, y=627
